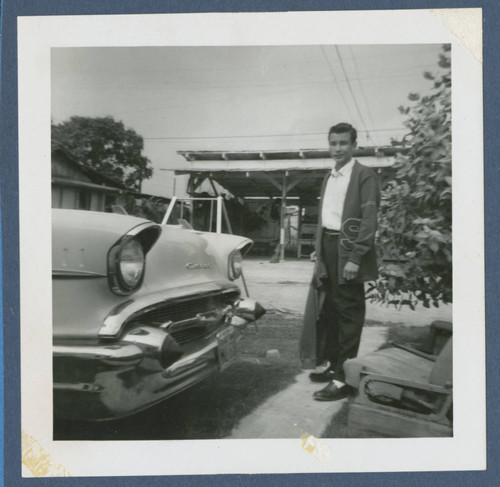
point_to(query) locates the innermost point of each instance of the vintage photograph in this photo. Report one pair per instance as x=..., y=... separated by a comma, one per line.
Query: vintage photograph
x=251, y=241
x=169, y=163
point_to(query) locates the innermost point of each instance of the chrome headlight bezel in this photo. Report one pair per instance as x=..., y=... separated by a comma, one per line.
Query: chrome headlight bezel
x=119, y=283
x=145, y=234
x=235, y=264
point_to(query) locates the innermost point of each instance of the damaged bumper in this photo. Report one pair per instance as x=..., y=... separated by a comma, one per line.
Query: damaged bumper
x=145, y=366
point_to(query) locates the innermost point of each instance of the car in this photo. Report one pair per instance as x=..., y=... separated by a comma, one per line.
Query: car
x=141, y=311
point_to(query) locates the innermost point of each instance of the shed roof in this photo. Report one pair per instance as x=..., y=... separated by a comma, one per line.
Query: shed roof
x=378, y=153
x=99, y=179
x=296, y=173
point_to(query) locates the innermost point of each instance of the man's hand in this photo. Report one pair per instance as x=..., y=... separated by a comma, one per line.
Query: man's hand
x=350, y=271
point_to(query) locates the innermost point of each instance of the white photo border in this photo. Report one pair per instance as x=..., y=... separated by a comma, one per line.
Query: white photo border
x=37, y=35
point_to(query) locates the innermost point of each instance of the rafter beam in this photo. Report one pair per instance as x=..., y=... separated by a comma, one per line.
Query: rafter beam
x=272, y=181
x=293, y=183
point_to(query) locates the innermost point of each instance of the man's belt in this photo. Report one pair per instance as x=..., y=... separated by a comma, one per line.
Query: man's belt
x=327, y=231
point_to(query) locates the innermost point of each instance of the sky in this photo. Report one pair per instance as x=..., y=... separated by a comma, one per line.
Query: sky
x=239, y=97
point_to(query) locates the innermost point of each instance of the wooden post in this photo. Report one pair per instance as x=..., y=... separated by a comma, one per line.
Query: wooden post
x=282, y=218
x=191, y=214
x=299, y=231
x=211, y=215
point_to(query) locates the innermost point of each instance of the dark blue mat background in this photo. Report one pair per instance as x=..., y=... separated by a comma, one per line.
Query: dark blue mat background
x=11, y=9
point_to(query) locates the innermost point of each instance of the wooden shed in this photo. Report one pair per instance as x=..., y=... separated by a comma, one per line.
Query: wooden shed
x=75, y=186
x=292, y=178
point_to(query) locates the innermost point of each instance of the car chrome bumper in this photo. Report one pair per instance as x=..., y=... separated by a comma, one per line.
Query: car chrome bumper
x=146, y=366
x=103, y=387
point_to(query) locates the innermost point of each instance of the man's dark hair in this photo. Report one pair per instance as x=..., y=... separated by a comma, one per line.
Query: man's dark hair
x=344, y=128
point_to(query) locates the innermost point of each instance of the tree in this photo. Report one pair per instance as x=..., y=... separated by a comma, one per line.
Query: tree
x=415, y=214
x=105, y=145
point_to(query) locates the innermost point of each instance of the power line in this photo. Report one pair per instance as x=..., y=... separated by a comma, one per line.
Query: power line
x=336, y=81
x=206, y=101
x=356, y=70
x=352, y=93
x=210, y=100
x=182, y=84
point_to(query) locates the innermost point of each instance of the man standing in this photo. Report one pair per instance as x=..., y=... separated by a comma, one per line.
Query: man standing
x=345, y=259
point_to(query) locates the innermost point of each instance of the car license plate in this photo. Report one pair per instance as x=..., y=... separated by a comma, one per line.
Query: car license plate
x=226, y=347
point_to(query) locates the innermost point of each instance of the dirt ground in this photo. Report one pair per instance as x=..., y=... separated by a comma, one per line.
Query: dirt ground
x=284, y=286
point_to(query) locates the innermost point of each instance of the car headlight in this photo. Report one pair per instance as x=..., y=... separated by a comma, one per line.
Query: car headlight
x=235, y=264
x=126, y=265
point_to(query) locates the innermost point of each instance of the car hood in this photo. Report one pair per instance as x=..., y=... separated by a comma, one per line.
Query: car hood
x=181, y=262
x=81, y=240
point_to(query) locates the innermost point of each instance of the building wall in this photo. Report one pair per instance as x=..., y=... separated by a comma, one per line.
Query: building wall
x=65, y=190
x=74, y=198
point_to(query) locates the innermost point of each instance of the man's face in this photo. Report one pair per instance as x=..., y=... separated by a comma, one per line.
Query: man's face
x=341, y=148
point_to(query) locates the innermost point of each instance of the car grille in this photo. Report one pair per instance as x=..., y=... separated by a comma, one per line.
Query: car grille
x=182, y=314
x=194, y=333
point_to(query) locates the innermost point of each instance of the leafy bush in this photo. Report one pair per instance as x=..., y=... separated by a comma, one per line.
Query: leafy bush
x=415, y=215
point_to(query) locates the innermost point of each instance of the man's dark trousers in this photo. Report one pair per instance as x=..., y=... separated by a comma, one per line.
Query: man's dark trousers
x=344, y=311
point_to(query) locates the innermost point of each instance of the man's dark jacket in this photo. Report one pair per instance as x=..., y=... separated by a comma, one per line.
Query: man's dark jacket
x=356, y=244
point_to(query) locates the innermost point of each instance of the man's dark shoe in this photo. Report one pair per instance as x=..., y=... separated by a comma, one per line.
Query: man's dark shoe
x=332, y=393
x=326, y=376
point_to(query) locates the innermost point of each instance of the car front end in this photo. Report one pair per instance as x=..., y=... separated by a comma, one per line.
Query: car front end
x=140, y=311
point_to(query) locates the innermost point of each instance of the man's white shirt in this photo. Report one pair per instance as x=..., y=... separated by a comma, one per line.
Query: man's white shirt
x=334, y=197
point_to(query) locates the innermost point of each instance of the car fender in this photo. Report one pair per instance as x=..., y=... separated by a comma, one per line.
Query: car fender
x=224, y=245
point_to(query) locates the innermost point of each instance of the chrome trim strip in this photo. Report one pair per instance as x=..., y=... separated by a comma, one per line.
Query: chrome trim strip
x=124, y=312
x=68, y=273
x=123, y=353
x=243, y=244
x=142, y=226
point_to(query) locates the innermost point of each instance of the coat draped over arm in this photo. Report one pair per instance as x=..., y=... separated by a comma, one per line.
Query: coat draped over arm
x=359, y=225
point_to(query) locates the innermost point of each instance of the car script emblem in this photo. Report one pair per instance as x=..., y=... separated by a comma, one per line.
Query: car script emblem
x=192, y=265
